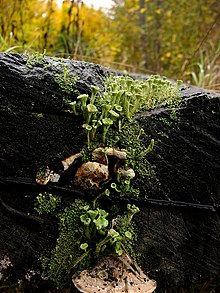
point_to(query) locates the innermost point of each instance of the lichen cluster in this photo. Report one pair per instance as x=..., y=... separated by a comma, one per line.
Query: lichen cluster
x=88, y=230
x=66, y=80
x=86, y=233
x=47, y=203
x=123, y=97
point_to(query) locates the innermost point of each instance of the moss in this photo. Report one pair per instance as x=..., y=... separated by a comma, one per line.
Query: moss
x=85, y=234
x=66, y=80
x=36, y=59
x=47, y=203
x=58, y=266
x=113, y=123
x=132, y=138
x=39, y=115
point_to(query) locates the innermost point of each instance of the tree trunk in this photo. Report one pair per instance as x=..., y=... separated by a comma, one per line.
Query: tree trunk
x=179, y=226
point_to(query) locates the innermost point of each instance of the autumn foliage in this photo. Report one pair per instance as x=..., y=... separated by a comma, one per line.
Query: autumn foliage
x=175, y=38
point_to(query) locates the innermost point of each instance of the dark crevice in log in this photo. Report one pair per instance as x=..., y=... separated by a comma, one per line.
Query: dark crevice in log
x=19, y=214
x=10, y=183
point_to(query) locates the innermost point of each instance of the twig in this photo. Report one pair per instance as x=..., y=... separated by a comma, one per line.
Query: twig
x=19, y=214
x=22, y=182
x=203, y=40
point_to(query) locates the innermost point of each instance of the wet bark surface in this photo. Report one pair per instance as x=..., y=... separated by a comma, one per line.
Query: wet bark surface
x=179, y=225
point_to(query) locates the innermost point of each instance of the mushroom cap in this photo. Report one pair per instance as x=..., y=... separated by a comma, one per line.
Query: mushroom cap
x=91, y=175
x=120, y=154
x=126, y=173
x=114, y=274
x=70, y=161
x=99, y=154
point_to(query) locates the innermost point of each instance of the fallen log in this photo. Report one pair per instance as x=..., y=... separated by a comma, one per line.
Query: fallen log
x=179, y=221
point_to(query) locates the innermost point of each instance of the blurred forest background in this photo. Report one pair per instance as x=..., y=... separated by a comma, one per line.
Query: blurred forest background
x=179, y=39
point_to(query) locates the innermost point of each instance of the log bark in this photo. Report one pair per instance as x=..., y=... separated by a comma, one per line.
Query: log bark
x=179, y=225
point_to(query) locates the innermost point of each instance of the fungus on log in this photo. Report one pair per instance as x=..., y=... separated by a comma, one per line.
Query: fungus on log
x=179, y=225
x=114, y=275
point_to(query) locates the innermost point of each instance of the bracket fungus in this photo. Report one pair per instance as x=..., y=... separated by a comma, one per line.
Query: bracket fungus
x=91, y=175
x=100, y=154
x=70, y=161
x=126, y=173
x=114, y=274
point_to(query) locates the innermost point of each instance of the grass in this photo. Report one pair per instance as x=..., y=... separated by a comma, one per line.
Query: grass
x=206, y=72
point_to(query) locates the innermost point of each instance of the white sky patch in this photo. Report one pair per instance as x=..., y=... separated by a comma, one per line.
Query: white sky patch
x=95, y=3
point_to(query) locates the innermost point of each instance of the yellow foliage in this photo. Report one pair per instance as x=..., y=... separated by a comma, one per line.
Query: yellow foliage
x=180, y=56
x=143, y=10
x=169, y=13
x=158, y=11
x=140, y=35
x=168, y=54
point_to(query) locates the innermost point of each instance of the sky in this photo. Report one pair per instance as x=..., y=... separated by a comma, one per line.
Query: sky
x=96, y=3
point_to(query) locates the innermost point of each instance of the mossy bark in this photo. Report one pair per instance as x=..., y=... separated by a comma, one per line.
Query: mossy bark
x=179, y=246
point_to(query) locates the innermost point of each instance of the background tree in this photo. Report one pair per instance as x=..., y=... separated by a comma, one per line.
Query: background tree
x=179, y=39
x=163, y=34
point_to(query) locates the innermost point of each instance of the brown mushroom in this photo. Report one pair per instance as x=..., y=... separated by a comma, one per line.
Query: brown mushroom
x=91, y=175
x=114, y=274
x=126, y=173
x=70, y=161
x=100, y=154
x=120, y=154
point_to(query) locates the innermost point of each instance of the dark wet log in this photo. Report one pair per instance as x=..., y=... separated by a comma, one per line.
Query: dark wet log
x=179, y=226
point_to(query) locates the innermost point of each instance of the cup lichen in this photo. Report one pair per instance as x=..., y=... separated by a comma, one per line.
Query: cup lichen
x=87, y=231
